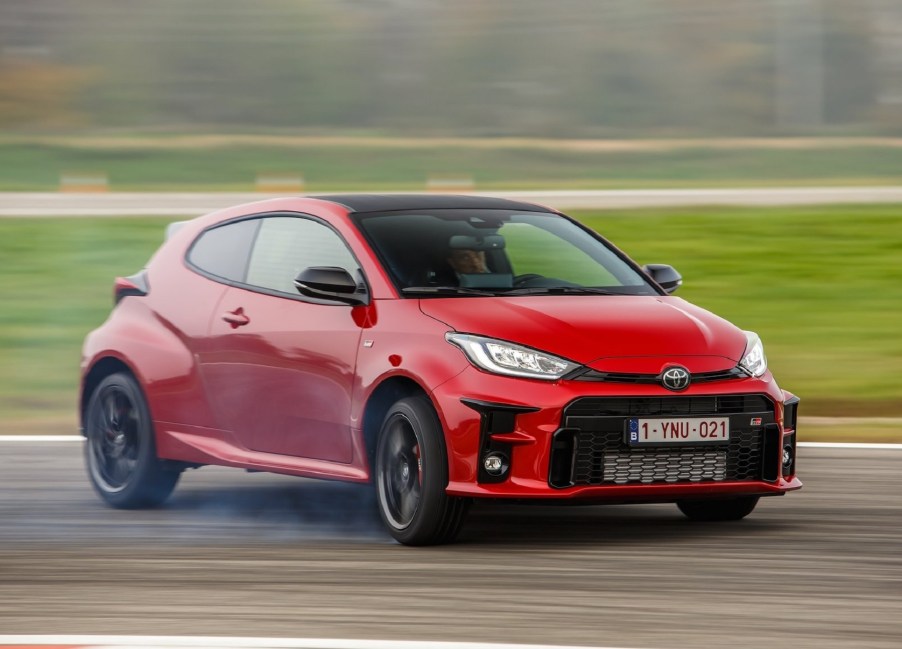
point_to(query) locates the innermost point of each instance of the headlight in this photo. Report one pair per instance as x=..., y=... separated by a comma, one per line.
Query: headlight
x=501, y=357
x=753, y=359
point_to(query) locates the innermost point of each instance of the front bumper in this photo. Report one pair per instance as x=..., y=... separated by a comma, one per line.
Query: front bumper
x=565, y=440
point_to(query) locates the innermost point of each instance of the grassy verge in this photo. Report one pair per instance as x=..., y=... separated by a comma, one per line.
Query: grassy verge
x=37, y=166
x=822, y=286
x=55, y=285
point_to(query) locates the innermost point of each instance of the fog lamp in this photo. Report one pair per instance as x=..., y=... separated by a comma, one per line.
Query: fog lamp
x=495, y=464
x=787, y=456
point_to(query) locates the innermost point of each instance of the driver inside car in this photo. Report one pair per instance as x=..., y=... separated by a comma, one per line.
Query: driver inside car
x=467, y=262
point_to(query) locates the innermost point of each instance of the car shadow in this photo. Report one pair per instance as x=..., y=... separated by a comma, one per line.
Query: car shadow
x=334, y=510
x=574, y=525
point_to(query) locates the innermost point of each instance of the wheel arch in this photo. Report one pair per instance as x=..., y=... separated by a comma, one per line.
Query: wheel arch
x=102, y=368
x=380, y=400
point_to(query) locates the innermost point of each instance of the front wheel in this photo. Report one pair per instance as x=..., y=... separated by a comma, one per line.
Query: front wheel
x=411, y=473
x=120, y=450
x=727, y=509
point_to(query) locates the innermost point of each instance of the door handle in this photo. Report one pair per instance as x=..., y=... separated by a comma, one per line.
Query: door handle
x=236, y=318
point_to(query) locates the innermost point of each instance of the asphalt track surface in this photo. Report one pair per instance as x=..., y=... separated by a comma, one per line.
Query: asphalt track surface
x=37, y=204
x=239, y=554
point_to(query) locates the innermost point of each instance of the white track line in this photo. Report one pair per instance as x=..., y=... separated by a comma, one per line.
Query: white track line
x=835, y=445
x=41, y=438
x=853, y=445
x=42, y=204
x=193, y=642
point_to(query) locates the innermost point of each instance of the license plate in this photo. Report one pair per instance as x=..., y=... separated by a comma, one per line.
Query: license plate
x=678, y=430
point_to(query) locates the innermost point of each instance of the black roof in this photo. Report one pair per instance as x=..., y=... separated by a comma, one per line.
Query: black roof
x=395, y=202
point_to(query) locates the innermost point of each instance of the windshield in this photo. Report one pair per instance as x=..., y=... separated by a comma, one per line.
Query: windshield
x=496, y=252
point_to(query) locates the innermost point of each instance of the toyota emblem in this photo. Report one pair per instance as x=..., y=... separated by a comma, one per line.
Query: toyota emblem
x=675, y=378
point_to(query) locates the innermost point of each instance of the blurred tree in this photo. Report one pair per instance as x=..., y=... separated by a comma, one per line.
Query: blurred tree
x=851, y=83
x=39, y=93
x=469, y=67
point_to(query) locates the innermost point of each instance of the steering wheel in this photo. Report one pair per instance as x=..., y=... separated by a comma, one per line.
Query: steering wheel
x=522, y=281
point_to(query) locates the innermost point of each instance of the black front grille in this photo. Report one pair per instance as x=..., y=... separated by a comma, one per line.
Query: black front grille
x=591, y=448
x=668, y=406
x=623, y=377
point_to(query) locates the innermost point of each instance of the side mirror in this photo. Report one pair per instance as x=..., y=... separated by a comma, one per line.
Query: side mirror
x=666, y=276
x=330, y=283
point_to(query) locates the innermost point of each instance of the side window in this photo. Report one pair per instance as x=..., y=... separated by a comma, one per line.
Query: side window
x=223, y=251
x=287, y=245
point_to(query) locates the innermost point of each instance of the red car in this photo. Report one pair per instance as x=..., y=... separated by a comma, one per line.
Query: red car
x=444, y=348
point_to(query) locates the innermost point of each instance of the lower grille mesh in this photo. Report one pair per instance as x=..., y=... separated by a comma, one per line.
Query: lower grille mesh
x=665, y=466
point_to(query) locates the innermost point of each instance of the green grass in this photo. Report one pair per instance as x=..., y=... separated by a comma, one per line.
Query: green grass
x=38, y=166
x=56, y=284
x=822, y=286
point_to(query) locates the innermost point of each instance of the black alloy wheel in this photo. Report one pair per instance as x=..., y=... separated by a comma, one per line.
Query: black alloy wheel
x=120, y=450
x=411, y=472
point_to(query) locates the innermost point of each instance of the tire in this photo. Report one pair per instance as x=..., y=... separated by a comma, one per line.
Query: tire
x=411, y=473
x=728, y=509
x=120, y=449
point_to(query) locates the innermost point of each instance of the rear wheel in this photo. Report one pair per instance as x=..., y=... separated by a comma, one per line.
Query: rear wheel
x=411, y=472
x=727, y=509
x=120, y=450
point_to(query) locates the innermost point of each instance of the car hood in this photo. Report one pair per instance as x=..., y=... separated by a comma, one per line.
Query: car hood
x=609, y=333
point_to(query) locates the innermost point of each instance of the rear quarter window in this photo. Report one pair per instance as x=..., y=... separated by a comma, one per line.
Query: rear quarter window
x=224, y=251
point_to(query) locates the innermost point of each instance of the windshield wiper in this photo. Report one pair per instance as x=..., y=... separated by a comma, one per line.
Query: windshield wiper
x=561, y=290
x=446, y=290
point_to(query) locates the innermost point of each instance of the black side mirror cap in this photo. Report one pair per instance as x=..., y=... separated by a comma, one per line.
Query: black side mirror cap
x=665, y=276
x=331, y=283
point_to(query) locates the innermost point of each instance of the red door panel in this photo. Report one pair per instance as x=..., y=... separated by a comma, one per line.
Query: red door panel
x=280, y=373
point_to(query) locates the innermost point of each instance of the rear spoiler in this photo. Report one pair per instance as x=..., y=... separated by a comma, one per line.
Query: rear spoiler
x=172, y=228
x=134, y=285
